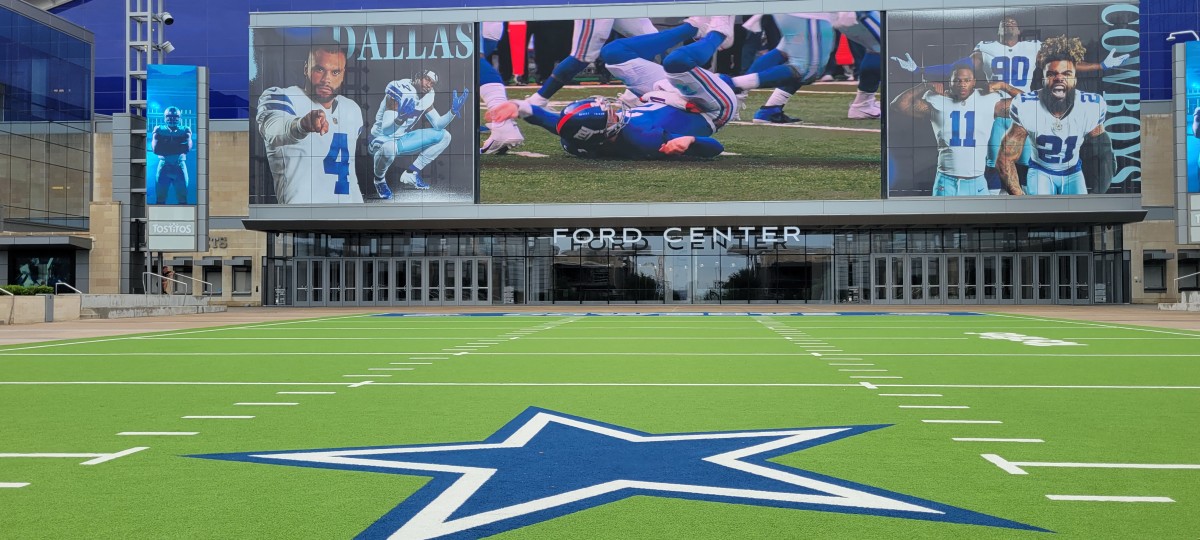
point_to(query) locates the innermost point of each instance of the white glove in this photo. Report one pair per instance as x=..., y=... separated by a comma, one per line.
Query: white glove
x=907, y=63
x=1113, y=60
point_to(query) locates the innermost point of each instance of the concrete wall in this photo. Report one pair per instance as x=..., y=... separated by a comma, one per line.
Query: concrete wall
x=1158, y=190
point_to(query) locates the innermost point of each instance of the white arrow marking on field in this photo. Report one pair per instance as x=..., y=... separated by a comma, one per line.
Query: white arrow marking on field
x=1015, y=467
x=97, y=458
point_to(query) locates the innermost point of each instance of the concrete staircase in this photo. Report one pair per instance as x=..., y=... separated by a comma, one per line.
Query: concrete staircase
x=1190, y=302
x=120, y=306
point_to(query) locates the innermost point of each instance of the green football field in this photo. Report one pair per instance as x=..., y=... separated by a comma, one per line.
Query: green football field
x=828, y=157
x=602, y=426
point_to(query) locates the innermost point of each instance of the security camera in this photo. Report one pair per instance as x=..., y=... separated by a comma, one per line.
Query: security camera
x=166, y=18
x=166, y=47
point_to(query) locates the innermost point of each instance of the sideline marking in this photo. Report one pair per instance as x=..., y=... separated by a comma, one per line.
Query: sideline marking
x=665, y=385
x=263, y=404
x=98, y=458
x=212, y=417
x=987, y=439
x=1109, y=498
x=962, y=421
x=159, y=433
x=1015, y=467
x=13, y=484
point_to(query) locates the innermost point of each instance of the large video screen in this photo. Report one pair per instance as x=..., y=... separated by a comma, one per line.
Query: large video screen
x=363, y=114
x=750, y=108
x=171, y=134
x=1015, y=101
x=1192, y=108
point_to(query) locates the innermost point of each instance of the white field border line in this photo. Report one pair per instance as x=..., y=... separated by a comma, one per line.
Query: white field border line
x=863, y=370
x=305, y=393
x=1110, y=498
x=568, y=384
x=371, y=375
x=390, y=369
x=1099, y=325
x=96, y=458
x=461, y=350
x=199, y=331
x=992, y=439
x=851, y=364
x=159, y=433
x=613, y=328
x=1018, y=467
x=13, y=484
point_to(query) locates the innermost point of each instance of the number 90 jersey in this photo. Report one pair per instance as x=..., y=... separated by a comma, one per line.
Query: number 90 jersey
x=310, y=168
x=963, y=129
x=1013, y=65
x=1056, y=141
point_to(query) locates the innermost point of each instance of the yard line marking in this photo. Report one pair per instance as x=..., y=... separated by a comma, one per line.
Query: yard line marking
x=869, y=385
x=1015, y=467
x=934, y=406
x=962, y=421
x=375, y=375
x=217, y=417
x=410, y=363
x=460, y=349
x=13, y=484
x=306, y=393
x=862, y=370
x=911, y=395
x=159, y=433
x=1109, y=498
x=360, y=384
x=390, y=369
x=98, y=458
x=1097, y=325
x=428, y=357
x=875, y=377
x=851, y=364
x=817, y=354
x=746, y=385
x=989, y=439
x=267, y=404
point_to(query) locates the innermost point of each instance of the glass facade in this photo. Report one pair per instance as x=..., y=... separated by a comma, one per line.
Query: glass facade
x=715, y=265
x=45, y=124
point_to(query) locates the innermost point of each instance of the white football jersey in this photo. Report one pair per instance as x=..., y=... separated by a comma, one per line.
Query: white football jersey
x=963, y=130
x=1016, y=65
x=1056, y=141
x=309, y=166
x=386, y=124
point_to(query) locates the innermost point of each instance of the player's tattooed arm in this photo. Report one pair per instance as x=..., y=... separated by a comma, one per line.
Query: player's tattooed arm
x=910, y=102
x=1006, y=162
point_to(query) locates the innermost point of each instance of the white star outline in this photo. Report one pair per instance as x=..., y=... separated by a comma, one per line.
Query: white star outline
x=433, y=520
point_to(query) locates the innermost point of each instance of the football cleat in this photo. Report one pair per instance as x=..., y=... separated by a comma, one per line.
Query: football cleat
x=701, y=24
x=413, y=179
x=722, y=24
x=383, y=190
x=773, y=115
x=866, y=110
x=505, y=136
x=538, y=100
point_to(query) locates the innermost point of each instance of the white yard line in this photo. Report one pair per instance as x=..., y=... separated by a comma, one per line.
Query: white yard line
x=98, y=458
x=990, y=439
x=305, y=393
x=746, y=385
x=962, y=421
x=934, y=406
x=390, y=369
x=1109, y=498
x=869, y=386
x=1098, y=325
x=6, y=485
x=267, y=404
x=911, y=395
x=160, y=433
x=1018, y=467
x=217, y=417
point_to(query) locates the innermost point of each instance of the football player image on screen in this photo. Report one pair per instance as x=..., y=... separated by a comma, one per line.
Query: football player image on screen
x=311, y=133
x=588, y=37
x=405, y=104
x=506, y=135
x=1058, y=121
x=171, y=143
x=962, y=118
x=680, y=103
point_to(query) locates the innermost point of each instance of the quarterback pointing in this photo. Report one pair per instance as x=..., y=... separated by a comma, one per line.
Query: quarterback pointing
x=404, y=104
x=1057, y=120
x=171, y=143
x=311, y=133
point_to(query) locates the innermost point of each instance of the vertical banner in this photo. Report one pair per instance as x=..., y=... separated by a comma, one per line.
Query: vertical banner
x=363, y=114
x=1191, y=109
x=1015, y=101
x=171, y=135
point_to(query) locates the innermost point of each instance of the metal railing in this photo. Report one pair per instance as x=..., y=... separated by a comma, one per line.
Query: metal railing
x=1187, y=276
x=67, y=285
x=206, y=287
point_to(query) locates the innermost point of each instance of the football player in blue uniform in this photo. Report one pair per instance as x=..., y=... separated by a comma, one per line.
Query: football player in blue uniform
x=171, y=142
x=1057, y=120
x=682, y=104
x=588, y=38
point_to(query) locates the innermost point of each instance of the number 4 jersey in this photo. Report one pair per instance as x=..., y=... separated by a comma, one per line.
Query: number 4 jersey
x=310, y=168
x=1056, y=141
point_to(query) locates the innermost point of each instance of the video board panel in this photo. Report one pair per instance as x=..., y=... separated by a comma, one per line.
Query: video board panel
x=1014, y=101
x=363, y=114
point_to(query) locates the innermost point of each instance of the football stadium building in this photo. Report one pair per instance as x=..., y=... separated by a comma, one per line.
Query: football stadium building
x=486, y=152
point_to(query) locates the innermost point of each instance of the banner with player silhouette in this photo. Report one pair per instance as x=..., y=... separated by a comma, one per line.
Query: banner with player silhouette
x=1191, y=107
x=1016, y=101
x=363, y=114
x=171, y=135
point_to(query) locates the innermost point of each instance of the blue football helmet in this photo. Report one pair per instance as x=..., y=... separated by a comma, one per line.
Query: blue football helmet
x=171, y=116
x=592, y=121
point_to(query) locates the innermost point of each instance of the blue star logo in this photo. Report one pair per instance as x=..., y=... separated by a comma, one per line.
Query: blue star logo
x=544, y=464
